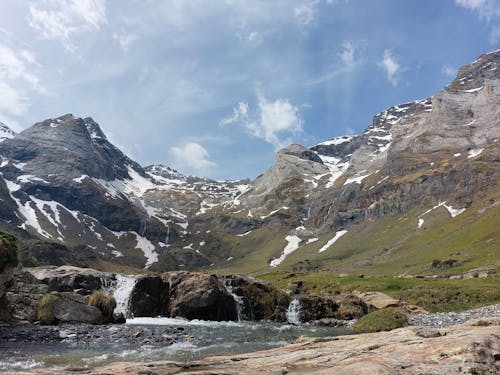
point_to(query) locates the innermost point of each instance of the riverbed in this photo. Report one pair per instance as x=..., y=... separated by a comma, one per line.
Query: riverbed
x=27, y=347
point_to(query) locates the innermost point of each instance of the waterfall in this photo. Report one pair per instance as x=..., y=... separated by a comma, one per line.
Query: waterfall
x=238, y=300
x=121, y=289
x=167, y=239
x=294, y=312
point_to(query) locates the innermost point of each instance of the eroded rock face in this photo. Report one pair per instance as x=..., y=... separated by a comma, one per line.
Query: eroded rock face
x=199, y=296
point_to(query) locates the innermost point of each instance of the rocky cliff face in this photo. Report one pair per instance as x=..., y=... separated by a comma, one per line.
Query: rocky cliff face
x=75, y=198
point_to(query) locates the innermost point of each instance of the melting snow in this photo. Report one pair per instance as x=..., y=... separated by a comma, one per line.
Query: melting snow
x=474, y=153
x=339, y=234
x=336, y=141
x=473, y=90
x=147, y=248
x=311, y=240
x=420, y=222
x=457, y=154
x=356, y=179
x=244, y=234
x=452, y=211
x=293, y=244
x=81, y=178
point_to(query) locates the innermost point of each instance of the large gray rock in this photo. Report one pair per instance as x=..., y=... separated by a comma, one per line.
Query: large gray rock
x=199, y=296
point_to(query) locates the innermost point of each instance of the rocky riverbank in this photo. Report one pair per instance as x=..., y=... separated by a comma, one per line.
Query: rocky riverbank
x=470, y=348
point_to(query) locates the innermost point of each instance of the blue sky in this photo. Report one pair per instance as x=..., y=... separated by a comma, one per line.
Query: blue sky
x=213, y=87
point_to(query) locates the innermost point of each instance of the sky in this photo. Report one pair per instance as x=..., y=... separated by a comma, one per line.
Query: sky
x=215, y=87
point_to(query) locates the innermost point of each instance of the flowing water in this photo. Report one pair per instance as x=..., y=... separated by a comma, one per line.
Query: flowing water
x=143, y=339
x=294, y=312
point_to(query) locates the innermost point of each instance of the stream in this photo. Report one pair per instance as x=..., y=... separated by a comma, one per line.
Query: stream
x=27, y=347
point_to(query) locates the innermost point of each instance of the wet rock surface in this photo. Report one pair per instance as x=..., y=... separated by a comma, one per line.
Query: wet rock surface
x=82, y=335
x=464, y=349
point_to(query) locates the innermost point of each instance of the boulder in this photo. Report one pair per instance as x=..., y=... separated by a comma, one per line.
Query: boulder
x=199, y=296
x=149, y=297
x=260, y=300
x=315, y=308
x=377, y=300
x=69, y=308
x=71, y=279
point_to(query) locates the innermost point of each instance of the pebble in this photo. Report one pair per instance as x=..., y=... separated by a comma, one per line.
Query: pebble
x=440, y=320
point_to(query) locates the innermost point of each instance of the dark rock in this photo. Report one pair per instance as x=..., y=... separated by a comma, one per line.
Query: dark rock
x=261, y=301
x=149, y=297
x=199, y=296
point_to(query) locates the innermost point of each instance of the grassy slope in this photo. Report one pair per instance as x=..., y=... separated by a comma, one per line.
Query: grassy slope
x=431, y=294
x=391, y=245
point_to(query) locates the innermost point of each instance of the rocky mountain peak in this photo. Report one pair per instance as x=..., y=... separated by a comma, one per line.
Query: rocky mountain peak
x=471, y=77
x=5, y=132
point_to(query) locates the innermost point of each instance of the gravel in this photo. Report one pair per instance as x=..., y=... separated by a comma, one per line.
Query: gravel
x=447, y=319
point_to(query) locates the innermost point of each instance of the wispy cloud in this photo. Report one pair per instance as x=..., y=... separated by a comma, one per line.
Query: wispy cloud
x=449, y=71
x=124, y=39
x=274, y=122
x=347, y=54
x=192, y=155
x=60, y=19
x=17, y=78
x=306, y=12
x=391, y=67
x=488, y=10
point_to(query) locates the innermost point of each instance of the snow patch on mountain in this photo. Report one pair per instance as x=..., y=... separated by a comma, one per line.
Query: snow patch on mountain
x=339, y=234
x=293, y=244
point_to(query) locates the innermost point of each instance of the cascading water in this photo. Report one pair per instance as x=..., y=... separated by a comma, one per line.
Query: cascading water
x=238, y=300
x=121, y=289
x=294, y=312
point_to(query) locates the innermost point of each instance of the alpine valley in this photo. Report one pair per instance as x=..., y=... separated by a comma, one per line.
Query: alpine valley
x=417, y=192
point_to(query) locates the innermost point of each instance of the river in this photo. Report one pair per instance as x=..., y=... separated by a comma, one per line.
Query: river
x=27, y=347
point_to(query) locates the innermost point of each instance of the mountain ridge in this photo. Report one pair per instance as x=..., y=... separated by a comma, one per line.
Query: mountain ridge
x=68, y=191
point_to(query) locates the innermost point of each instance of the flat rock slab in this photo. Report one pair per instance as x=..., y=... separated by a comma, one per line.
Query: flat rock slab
x=469, y=348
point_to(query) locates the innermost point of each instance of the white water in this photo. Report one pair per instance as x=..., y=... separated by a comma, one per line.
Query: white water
x=294, y=311
x=238, y=300
x=121, y=290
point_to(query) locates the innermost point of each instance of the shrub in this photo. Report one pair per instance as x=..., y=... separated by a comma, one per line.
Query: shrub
x=382, y=320
x=45, y=309
x=8, y=250
x=104, y=302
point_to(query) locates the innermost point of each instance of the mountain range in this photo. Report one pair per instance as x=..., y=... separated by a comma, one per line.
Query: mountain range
x=418, y=191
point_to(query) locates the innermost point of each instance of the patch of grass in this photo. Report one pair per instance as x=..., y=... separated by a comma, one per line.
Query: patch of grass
x=381, y=320
x=45, y=309
x=435, y=295
x=8, y=250
x=104, y=302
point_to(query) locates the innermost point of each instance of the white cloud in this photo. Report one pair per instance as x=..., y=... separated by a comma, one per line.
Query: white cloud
x=14, y=101
x=60, y=19
x=274, y=120
x=17, y=77
x=305, y=13
x=449, y=71
x=240, y=114
x=391, y=67
x=124, y=39
x=486, y=9
x=347, y=54
x=192, y=155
